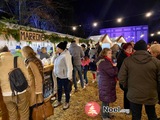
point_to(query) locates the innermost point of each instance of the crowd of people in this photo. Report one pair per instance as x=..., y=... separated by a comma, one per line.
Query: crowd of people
x=135, y=66
x=139, y=77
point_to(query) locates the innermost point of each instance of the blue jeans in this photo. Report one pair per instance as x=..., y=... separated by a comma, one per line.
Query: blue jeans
x=85, y=70
x=136, y=110
x=77, y=68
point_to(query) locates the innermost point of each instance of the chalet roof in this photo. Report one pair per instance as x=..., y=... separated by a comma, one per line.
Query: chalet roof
x=121, y=40
x=106, y=39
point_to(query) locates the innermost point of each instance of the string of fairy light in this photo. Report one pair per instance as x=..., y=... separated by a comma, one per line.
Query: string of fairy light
x=120, y=20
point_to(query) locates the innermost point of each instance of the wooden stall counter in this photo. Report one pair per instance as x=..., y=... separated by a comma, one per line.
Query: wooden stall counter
x=48, y=68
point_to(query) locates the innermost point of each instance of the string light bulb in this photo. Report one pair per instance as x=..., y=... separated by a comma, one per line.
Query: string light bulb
x=119, y=20
x=74, y=28
x=95, y=24
x=152, y=34
x=149, y=14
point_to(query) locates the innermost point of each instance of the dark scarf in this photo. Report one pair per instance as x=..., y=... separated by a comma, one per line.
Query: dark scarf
x=36, y=61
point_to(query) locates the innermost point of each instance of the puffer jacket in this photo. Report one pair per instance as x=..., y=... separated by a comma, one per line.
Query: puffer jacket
x=140, y=74
x=107, y=81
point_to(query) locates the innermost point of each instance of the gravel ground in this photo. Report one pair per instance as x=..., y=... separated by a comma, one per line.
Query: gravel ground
x=82, y=97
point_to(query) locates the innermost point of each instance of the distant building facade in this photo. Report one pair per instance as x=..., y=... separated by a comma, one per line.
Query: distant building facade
x=129, y=33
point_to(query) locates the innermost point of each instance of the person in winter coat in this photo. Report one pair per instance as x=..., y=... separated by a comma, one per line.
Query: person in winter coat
x=126, y=51
x=93, y=68
x=92, y=53
x=3, y=108
x=83, y=46
x=76, y=53
x=16, y=110
x=36, y=78
x=155, y=50
x=63, y=71
x=98, y=49
x=107, y=80
x=87, y=50
x=85, y=65
x=44, y=53
x=140, y=74
x=115, y=49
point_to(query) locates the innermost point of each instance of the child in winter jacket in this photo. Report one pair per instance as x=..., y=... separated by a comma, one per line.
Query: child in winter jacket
x=85, y=65
x=93, y=68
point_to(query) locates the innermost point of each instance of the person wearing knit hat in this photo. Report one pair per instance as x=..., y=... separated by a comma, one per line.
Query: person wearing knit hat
x=140, y=45
x=63, y=72
x=139, y=74
x=62, y=45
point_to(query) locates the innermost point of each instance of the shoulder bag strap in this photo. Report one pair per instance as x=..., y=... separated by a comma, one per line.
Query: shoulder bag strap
x=15, y=66
x=15, y=62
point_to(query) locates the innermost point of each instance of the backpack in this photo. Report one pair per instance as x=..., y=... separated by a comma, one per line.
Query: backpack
x=17, y=79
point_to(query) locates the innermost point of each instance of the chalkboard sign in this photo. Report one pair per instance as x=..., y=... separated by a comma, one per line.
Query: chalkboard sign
x=48, y=84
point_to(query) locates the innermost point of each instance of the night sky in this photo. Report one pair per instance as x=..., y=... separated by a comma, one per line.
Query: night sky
x=105, y=12
x=82, y=13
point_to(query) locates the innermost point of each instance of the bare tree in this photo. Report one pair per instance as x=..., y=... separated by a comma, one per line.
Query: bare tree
x=43, y=14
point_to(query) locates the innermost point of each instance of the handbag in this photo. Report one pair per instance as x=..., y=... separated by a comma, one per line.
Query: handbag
x=42, y=111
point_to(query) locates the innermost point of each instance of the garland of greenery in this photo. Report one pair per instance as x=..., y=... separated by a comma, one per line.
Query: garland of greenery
x=15, y=33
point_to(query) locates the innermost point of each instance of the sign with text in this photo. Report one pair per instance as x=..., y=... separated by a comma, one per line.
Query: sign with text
x=31, y=36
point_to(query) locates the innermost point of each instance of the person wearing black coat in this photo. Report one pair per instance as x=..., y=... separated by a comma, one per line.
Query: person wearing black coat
x=124, y=53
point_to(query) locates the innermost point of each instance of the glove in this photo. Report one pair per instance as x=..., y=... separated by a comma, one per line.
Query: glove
x=123, y=88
